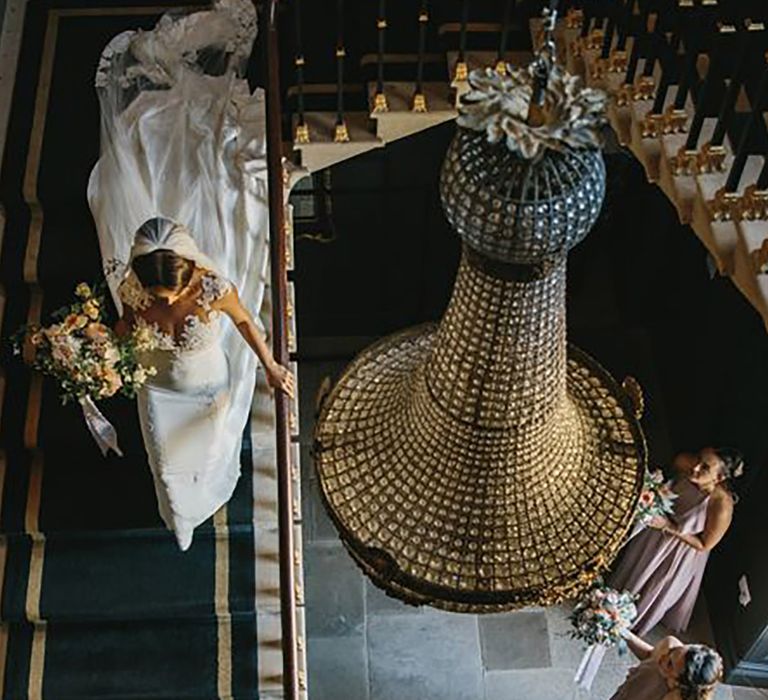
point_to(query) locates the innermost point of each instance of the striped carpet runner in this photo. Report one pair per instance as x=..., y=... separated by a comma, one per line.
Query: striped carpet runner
x=97, y=601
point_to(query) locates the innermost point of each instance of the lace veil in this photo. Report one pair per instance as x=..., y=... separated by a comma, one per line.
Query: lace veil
x=182, y=138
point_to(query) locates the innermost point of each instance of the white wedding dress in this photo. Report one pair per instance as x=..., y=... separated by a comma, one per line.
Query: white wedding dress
x=184, y=139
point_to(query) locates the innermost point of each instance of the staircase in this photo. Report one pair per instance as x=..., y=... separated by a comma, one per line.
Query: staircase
x=375, y=128
x=97, y=601
x=720, y=191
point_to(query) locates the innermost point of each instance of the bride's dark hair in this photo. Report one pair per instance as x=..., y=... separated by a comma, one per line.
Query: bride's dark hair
x=163, y=268
x=701, y=673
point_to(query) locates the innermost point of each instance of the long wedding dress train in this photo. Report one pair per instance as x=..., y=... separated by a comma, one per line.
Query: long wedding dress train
x=183, y=138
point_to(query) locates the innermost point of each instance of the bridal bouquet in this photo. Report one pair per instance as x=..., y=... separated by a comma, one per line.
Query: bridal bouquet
x=656, y=499
x=601, y=615
x=85, y=356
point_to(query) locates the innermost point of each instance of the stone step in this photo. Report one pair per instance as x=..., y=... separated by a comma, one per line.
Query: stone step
x=322, y=151
x=400, y=119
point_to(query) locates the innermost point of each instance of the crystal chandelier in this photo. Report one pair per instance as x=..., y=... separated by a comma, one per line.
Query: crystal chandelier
x=484, y=464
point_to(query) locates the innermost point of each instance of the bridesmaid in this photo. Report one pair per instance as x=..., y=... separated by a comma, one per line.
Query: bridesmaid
x=670, y=671
x=664, y=565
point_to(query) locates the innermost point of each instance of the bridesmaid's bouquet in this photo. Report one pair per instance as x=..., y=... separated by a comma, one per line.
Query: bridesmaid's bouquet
x=656, y=499
x=85, y=356
x=601, y=615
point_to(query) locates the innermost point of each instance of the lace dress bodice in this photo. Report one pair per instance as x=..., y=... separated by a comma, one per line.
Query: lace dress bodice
x=199, y=330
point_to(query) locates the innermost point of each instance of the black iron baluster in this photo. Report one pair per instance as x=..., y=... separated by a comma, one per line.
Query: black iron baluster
x=725, y=34
x=301, y=134
x=624, y=25
x=341, y=134
x=460, y=72
x=639, y=43
x=728, y=105
x=610, y=29
x=419, y=99
x=762, y=180
x=668, y=58
x=501, y=64
x=380, y=100
x=742, y=152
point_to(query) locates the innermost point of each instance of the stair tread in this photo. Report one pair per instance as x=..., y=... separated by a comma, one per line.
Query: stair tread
x=322, y=126
x=486, y=59
x=131, y=576
x=400, y=97
x=119, y=660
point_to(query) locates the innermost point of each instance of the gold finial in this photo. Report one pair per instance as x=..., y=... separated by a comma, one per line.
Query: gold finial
x=726, y=206
x=341, y=135
x=302, y=134
x=340, y=52
x=574, y=18
x=501, y=67
x=634, y=393
x=617, y=62
x=380, y=103
x=460, y=72
x=712, y=158
x=755, y=208
x=419, y=103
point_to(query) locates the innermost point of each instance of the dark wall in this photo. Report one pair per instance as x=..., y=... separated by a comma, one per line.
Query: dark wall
x=641, y=299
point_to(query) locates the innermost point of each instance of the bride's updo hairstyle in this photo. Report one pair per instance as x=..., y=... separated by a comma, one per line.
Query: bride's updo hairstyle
x=701, y=673
x=161, y=267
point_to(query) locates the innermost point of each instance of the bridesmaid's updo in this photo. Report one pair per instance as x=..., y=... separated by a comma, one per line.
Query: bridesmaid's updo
x=163, y=268
x=733, y=465
x=701, y=673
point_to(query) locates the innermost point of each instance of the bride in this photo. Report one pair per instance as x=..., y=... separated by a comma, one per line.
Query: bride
x=179, y=197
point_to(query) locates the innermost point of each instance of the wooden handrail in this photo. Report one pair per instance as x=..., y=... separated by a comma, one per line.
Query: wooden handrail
x=277, y=247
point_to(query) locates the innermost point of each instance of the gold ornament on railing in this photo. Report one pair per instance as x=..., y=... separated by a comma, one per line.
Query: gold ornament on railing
x=642, y=89
x=652, y=125
x=574, y=18
x=341, y=133
x=419, y=103
x=712, y=159
x=301, y=134
x=726, y=206
x=755, y=204
x=380, y=103
x=595, y=39
x=460, y=72
x=675, y=120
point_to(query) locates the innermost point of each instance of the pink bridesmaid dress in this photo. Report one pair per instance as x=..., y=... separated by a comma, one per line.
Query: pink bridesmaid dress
x=665, y=572
x=643, y=682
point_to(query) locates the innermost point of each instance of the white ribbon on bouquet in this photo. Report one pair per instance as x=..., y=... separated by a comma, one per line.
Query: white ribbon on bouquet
x=593, y=656
x=103, y=431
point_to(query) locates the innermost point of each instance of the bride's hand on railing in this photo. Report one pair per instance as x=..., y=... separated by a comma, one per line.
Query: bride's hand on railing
x=281, y=378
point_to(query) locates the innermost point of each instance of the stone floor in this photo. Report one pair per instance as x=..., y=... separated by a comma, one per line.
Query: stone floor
x=363, y=645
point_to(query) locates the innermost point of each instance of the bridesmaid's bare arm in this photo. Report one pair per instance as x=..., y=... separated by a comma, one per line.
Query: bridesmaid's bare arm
x=719, y=516
x=639, y=647
x=664, y=646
